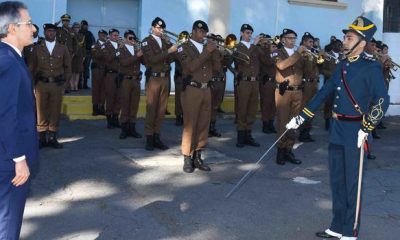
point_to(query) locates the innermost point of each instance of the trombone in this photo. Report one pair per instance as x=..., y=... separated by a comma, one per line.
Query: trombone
x=179, y=39
x=229, y=44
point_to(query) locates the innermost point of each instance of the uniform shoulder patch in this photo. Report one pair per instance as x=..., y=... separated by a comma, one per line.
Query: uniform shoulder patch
x=274, y=54
x=180, y=49
x=144, y=44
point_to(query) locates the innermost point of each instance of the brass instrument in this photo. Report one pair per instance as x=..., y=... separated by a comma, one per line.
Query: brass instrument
x=316, y=54
x=275, y=40
x=179, y=39
x=394, y=66
x=138, y=44
x=229, y=44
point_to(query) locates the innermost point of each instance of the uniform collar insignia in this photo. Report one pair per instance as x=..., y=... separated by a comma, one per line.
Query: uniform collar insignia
x=353, y=58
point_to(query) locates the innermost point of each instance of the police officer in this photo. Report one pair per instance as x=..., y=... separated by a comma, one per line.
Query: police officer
x=310, y=79
x=267, y=86
x=197, y=62
x=158, y=54
x=130, y=60
x=66, y=36
x=247, y=85
x=357, y=80
x=98, y=74
x=112, y=82
x=288, y=94
x=51, y=67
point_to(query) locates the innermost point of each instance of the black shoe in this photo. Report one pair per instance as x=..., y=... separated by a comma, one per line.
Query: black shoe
x=323, y=234
x=249, y=140
x=291, y=158
x=53, y=142
x=132, y=131
x=219, y=110
x=110, y=124
x=158, y=143
x=188, y=165
x=241, y=135
x=179, y=120
x=43, y=139
x=371, y=156
x=280, y=156
x=149, y=143
x=124, y=131
x=198, y=162
x=212, y=132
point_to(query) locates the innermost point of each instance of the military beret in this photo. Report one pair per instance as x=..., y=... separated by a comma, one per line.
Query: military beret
x=288, y=31
x=65, y=17
x=363, y=27
x=103, y=31
x=245, y=27
x=49, y=26
x=265, y=35
x=84, y=22
x=200, y=25
x=158, y=21
x=129, y=32
x=113, y=30
x=307, y=35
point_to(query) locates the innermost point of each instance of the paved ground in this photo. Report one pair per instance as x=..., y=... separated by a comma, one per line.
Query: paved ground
x=100, y=187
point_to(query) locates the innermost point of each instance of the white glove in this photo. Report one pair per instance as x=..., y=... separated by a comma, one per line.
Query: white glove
x=295, y=122
x=361, y=137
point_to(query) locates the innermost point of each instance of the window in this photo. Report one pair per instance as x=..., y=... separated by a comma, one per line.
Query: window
x=391, y=16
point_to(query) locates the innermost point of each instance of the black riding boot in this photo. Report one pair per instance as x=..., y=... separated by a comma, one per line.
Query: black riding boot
x=280, y=156
x=241, y=135
x=149, y=142
x=132, y=131
x=198, y=162
x=43, y=139
x=249, y=140
x=110, y=124
x=124, y=131
x=53, y=142
x=158, y=143
x=188, y=165
x=212, y=132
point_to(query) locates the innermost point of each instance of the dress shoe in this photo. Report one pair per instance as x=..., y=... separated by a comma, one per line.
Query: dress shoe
x=289, y=157
x=53, y=142
x=328, y=234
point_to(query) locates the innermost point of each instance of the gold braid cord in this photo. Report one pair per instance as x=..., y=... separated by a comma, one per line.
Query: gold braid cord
x=374, y=116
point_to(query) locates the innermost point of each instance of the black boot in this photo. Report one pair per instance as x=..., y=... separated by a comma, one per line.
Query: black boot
x=188, y=165
x=110, y=124
x=212, y=132
x=158, y=143
x=95, y=111
x=53, y=142
x=305, y=136
x=102, y=110
x=132, y=131
x=249, y=140
x=124, y=131
x=268, y=127
x=115, y=121
x=241, y=135
x=43, y=139
x=280, y=156
x=198, y=162
x=289, y=157
x=375, y=134
x=149, y=142
x=179, y=120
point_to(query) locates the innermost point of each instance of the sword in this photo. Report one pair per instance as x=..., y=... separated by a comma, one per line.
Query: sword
x=360, y=173
x=257, y=163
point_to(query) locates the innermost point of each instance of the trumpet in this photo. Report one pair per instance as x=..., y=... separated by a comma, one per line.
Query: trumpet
x=315, y=53
x=229, y=44
x=275, y=40
x=179, y=39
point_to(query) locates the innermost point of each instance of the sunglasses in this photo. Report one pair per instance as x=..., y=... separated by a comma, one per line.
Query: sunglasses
x=131, y=38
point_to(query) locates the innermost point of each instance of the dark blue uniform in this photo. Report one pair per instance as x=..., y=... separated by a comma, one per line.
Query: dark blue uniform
x=365, y=80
